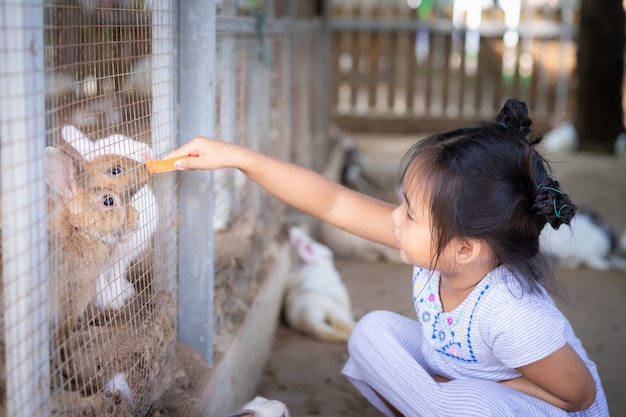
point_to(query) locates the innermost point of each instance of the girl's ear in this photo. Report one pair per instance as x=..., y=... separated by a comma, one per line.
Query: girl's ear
x=469, y=250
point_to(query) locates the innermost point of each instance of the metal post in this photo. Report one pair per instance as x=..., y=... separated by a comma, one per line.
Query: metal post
x=163, y=127
x=195, y=232
x=24, y=266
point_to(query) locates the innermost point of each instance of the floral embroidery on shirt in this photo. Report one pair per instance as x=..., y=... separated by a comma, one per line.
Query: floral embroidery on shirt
x=450, y=332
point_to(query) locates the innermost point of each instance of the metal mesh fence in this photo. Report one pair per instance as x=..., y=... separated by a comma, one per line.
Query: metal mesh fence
x=90, y=257
x=103, y=305
x=24, y=321
x=264, y=100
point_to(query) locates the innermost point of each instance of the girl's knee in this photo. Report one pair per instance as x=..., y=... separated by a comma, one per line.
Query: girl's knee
x=371, y=327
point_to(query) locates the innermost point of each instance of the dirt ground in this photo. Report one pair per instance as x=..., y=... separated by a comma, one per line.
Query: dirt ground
x=305, y=373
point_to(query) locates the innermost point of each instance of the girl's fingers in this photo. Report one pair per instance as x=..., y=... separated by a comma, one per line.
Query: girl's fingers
x=183, y=151
x=188, y=163
x=188, y=149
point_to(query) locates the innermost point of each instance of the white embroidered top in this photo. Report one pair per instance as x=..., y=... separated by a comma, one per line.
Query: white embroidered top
x=497, y=328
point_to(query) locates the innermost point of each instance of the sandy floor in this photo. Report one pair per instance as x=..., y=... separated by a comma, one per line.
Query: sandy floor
x=305, y=373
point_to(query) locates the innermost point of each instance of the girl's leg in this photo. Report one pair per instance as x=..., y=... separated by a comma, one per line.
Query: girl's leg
x=386, y=361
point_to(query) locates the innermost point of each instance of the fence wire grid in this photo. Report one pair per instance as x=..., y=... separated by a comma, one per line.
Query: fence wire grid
x=89, y=92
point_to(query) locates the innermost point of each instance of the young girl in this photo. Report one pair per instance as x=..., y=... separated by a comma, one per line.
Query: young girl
x=489, y=340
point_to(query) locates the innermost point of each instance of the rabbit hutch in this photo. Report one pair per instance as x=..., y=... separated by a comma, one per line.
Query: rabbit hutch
x=105, y=267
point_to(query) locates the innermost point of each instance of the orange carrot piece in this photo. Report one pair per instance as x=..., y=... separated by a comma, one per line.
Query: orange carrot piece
x=162, y=165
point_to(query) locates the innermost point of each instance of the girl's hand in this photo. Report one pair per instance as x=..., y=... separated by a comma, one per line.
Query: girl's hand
x=211, y=154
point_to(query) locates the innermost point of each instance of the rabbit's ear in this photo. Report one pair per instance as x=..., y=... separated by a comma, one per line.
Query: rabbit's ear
x=122, y=145
x=300, y=240
x=77, y=139
x=314, y=252
x=60, y=172
x=72, y=152
x=309, y=250
x=298, y=237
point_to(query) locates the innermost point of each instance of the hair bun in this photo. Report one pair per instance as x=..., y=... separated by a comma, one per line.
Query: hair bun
x=514, y=115
x=552, y=205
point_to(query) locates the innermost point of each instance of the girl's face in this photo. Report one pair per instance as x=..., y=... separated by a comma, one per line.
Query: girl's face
x=412, y=228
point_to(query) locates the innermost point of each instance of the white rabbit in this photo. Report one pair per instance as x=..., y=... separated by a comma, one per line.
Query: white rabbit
x=588, y=241
x=316, y=300
x=111, y=145
x=114, y=290
x=348, y=245
x=262, y=407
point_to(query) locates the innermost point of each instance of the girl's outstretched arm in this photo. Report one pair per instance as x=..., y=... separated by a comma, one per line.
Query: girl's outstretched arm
x=561, y=379
x=299, y=187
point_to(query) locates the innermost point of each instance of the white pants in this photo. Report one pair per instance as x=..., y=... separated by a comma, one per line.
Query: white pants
x=385, y=359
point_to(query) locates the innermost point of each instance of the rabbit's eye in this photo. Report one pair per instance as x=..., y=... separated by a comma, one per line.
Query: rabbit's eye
x=108, y=200
x=116, y=170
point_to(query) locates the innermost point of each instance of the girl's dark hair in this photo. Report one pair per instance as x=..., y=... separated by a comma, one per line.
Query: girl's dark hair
x=489, y=183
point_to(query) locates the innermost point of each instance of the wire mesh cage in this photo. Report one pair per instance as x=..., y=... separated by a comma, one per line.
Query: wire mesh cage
x=264, y=99
x=103, y=304
x=91, y=267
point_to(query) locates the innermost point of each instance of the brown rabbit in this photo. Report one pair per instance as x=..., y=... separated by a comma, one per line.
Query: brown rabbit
x=120, y=173
x=118, y=162
x=84, y=224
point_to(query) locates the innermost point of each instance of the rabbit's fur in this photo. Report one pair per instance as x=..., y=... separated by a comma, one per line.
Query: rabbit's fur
x=122, y=156
x=262, y=407
x=84, y=224
x=316, y=300
x=588, y=241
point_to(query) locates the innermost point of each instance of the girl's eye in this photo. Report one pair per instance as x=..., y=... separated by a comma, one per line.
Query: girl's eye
x=116, y=170
x=407, y=212
x=108, y=200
